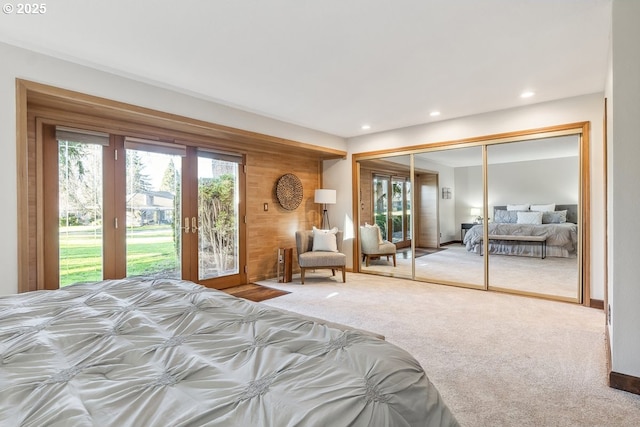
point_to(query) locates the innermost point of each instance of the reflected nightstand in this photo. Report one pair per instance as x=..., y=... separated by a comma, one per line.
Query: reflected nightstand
x=463, y=229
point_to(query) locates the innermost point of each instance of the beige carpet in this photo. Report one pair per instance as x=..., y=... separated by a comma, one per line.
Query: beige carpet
x=497, y=359
x=551, y=276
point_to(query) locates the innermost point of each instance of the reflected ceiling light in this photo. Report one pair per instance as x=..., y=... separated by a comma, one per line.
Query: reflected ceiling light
x=434, y=113
x=527, y=94
x=365, y=127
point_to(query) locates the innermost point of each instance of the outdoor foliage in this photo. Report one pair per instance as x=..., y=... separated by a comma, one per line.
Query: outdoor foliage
x=217, y=218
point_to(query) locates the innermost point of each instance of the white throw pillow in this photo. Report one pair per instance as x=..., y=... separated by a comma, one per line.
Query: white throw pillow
x=325, y=240
x=380, y=240
x=517, y=207
x=529, y=217
x=543, y=208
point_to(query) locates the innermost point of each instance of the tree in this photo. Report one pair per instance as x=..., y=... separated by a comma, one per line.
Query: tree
x=80, y=182
x=217, y=215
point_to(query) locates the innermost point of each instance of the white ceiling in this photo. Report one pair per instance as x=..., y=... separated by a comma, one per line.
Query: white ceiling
x=334, y=65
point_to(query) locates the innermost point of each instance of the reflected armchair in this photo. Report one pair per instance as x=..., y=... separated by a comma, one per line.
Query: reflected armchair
x=318, y=259
x=372, y=245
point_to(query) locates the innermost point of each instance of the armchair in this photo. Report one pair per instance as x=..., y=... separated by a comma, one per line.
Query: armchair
x=310, y=259
x=372, y=246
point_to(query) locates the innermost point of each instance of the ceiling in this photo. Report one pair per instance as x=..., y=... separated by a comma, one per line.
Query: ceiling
x=335, y=65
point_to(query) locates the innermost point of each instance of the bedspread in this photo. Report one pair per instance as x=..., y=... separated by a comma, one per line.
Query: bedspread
x=564, y=236
x=173, y=353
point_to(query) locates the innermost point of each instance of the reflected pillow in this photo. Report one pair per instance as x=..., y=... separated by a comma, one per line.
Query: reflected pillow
x=325, y=240
x=529, y=218
x=543, y=208
x=503, y=216
x=556, y=217
x=517, y=207
x=380, y=240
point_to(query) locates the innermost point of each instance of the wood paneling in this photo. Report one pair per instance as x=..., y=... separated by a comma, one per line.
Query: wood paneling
x=427, y=211
x=275, y=228
x=267, y=158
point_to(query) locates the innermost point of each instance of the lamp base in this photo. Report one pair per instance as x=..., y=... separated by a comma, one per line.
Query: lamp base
x=326, y=225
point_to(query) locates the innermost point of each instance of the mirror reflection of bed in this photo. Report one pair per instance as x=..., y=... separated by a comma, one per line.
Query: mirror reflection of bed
x=535, y=171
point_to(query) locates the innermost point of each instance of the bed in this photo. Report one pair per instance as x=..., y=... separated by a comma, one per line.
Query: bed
x=142, y=352
x=558, y=232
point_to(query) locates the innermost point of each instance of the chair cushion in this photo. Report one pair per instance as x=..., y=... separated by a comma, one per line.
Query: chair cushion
x=325, y=240
x=386, y=248
x=322, y=259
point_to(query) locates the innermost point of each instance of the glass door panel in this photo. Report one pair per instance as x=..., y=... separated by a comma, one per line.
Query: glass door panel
x=381, y=203
x=218, y=217
x=80, y=231
x=447, y=241
x=153, y=209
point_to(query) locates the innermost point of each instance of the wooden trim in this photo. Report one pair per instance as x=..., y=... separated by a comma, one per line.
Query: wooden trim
x=596, y=303
x=22, y=166
x=624, y=382
x=522, y=135
x=51, y=247
x=126, y=114
x=585, y=213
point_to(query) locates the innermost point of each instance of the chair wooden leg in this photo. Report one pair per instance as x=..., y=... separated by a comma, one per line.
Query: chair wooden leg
x=333, y=272
x=394, y=260
x=344, y=276
x=302, y=275
x=367, y=263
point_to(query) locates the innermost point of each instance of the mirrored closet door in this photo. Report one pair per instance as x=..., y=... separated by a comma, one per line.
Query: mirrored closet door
x=499, y=213
x=533, y=199
x=449, y=199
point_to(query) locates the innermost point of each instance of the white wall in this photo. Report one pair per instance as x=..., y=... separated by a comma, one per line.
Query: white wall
x=624, y=176
x=518, y=183
x=24, y=64
x=570, y=110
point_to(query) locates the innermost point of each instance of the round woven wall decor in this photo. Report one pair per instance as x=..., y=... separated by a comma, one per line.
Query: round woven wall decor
x=289, y=191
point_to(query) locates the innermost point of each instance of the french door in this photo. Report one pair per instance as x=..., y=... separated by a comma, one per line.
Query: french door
x=120, y=207
x=392, y=208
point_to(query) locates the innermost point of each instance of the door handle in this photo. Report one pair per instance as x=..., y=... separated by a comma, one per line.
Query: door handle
x=186, y=225
x=194, y=227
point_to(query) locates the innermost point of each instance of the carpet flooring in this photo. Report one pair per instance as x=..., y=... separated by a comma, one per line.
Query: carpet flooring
x=405, y=253
x=255, y=292
x=497, y=359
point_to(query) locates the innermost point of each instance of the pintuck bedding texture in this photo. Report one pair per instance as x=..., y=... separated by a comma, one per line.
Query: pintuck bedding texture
x=172, y=353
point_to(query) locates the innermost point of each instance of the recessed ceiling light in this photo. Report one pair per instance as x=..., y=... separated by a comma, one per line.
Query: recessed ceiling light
x=365, y=127
x=434, y=113
x=527, y=94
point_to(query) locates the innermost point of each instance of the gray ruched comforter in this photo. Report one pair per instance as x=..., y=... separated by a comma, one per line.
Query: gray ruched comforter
x=173, y=353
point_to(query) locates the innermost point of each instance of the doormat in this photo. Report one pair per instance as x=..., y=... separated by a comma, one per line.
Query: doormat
x=255, y=292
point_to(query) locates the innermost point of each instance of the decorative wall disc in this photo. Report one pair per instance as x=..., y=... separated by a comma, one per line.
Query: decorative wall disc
x=289, y=191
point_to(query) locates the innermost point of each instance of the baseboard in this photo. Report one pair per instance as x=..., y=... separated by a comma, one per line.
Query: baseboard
x=596, y=303
x=624, y=382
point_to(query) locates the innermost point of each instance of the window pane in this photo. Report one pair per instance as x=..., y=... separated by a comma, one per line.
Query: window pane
x=153, y=212
x=218, y=200
x=80, y=211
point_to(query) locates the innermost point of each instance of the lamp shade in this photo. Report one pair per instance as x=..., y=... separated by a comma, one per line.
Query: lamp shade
x=475, y=212
x=325, y=196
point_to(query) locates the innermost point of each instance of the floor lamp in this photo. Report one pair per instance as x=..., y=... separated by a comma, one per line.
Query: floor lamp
x=325, y=197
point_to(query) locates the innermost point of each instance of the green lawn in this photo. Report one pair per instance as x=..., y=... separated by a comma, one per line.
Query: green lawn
x=150, y=250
